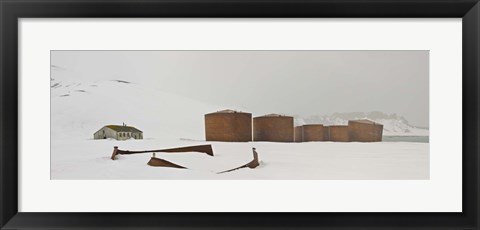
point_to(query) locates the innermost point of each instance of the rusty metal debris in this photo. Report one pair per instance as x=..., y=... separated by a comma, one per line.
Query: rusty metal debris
x=252, y=164
x=199, y=148
x=158, y=162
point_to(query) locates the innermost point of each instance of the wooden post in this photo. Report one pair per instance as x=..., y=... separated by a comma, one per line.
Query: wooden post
x=115, y=149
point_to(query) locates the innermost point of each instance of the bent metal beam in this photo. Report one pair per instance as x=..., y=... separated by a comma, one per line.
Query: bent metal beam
x=199, y=148
x=252, y=164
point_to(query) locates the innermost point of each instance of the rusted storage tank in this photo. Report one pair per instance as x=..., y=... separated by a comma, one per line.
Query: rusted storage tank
x=298, y=134
x=338, y=133
x=326, y=133
x=365, y=131
x=228, y=125
x=273, y=127
x=313, y=132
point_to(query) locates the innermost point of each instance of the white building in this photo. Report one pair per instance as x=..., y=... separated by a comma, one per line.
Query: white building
x=119, y=132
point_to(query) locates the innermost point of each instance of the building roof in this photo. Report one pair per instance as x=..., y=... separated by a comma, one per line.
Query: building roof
x=274, y=115
x=227, y=111
x=121, y=128
x=365, y=121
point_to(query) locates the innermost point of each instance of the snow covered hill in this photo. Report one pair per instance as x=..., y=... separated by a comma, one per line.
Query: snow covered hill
x=78, y=109
x=393, y=125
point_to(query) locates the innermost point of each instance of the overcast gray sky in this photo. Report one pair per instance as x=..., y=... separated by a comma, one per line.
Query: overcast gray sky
x=289, y=82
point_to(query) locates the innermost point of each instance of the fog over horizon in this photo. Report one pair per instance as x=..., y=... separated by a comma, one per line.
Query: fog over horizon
x=300, y=83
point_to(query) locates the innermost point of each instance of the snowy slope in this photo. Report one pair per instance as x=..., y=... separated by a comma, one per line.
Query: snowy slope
x=393, y=125
x=79, y=109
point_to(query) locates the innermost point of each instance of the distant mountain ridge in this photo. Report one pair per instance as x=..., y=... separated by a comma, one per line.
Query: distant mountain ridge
x=393, y=124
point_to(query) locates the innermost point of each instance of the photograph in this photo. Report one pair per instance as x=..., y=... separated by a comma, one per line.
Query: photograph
x=239, y=115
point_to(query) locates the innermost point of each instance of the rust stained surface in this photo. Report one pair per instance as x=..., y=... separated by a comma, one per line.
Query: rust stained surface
x=273, y=128
x=252, y=164
x=298, y=134
x=199, y=148
x=326, y=133
x=313, y=132
x=158, y=162
x=338, y=133
x=228, y=126
x=365, y=131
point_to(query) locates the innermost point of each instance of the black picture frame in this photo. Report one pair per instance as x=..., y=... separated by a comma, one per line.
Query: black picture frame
x=12, y=10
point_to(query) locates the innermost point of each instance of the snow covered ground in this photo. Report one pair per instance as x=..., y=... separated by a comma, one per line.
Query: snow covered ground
x=90, y=159
x=78, y=109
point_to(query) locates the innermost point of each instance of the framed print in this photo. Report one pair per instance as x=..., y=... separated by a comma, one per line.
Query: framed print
x=170, y=117
x=259, y=114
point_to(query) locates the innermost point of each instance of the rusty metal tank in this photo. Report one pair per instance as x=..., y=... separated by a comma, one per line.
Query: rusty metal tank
x=326, y=133
x=229, y=126
x=338, y=133
x=273, y=127
x=365, y=131
x=298, y=134
x=313, y=132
